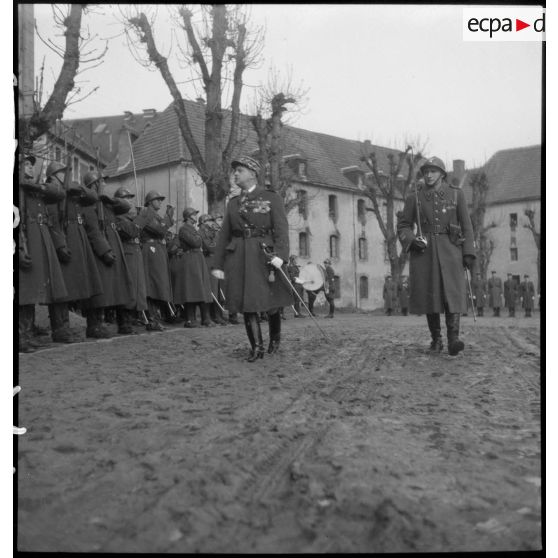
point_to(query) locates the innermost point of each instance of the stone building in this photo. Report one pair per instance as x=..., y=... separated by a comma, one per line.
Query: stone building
x=514, y=185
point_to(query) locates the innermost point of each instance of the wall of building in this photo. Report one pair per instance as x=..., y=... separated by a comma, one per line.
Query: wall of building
x=501, y=260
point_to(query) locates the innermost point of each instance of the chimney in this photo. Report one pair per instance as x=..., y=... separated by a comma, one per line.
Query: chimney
x=458, y=169
x=149, y=113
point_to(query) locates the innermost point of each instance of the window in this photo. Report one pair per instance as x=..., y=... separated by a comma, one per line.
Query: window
x=513, y=221
x=333, y=246
x=303, y=245
x=363, y=287
x=337, y=284
x=57, y=154
x=302, y=169
x=361, y=211
x=362, y=248
x=332, y=202
x=513, y=254
x=75, y=169
x=302, y=196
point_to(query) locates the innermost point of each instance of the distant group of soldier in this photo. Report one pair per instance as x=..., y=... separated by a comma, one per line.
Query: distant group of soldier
x=510, y=294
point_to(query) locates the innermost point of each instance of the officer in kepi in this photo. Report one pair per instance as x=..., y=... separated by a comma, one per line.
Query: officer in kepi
x=251, y=250
x=440, y=248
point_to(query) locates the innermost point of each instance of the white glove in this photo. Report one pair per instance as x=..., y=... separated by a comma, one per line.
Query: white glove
x=276, y=262
x=218, y=273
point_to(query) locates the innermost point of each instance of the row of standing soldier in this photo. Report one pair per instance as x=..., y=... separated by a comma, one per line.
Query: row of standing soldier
x=81, y=248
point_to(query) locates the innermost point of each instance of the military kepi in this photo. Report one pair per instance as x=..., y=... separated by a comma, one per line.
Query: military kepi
x=247, y=162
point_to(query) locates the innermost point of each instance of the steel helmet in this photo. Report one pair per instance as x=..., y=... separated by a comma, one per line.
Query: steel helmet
x=54, y=167
x=90, y=178
x=435, y=162
x=189, y=211
x=152, y=195
x=123, y=193
x=205, y=218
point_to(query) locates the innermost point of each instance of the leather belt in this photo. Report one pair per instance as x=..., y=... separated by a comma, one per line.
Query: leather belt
x=156, y=241
x=39, y=218
x=79, y=220
x=250, y=233
x=435, y=229
x=135, y=240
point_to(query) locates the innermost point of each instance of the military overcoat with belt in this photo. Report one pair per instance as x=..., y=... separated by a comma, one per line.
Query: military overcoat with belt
x=436, y=275
x=251, y=284
x=42, y=282
x=155, y=258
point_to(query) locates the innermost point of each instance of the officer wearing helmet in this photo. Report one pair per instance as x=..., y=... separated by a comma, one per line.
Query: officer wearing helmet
x=155, y=259
x=129, y=227
x=440, y=248
x=101, y=227
x=40, y=276
x=191, y=283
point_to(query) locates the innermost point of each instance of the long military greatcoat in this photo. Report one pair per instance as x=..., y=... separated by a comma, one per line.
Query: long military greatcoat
x=479, y=288
x=155, y=258
x=191, y=279
x=511, y=293
x=390, y=295
x=129, y=232
x=494, y=292
x=43, y=282
x=81, y=274
x=250, y=220
x=527, y=293
x=100, y=225
x=436, y=274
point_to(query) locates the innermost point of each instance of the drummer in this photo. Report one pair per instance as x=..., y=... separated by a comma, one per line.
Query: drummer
x=316, y=279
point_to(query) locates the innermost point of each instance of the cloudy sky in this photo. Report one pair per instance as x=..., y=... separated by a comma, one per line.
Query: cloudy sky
x=384, y=73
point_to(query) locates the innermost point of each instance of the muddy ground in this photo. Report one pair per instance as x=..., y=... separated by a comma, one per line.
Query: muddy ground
x=171, y=442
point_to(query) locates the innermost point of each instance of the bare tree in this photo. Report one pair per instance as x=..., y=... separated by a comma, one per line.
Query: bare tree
x=387, y=189
x=277, y=98
x=483, y=242
x=530, y=214
x=219, y=48
x=79, y=53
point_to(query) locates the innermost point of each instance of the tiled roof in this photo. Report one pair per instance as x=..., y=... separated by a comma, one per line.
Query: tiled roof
x=87, y=127
x=512, y=174
x=74, y=140
x=162, y=143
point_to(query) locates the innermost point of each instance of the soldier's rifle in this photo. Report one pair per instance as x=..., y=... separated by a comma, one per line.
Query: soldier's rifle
x=270, y=255
x=470, y=294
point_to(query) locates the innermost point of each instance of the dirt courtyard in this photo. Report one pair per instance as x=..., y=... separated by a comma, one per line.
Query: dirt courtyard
x=171, y=442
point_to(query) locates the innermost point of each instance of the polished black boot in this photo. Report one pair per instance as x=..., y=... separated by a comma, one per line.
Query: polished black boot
x=435, y=331
x=455, y=345
x=274, y=321
x=258, y=351
x=250, y=335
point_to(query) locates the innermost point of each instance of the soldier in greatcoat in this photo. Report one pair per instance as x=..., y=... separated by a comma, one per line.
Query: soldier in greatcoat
x=527, y=294
x=129, y=225
x=511, y=294
x=390, y=295
x=479, y=288
x=441, y=248
x=192, y=286
x=101, y=227
x=40, y=277
x=253, y=281
x=80, y=271
x=403, y=291
x=208, y=231
x=495, y=294
x=154, y=250
x=293, y=270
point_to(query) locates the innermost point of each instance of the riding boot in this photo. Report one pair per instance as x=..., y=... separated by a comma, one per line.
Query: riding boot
x=257, y=332
x=205, y=315
x=95, y=327
x=250, y=334
x=60, y=323
x=435, y=331
x=274, y=321
x=455, y=345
